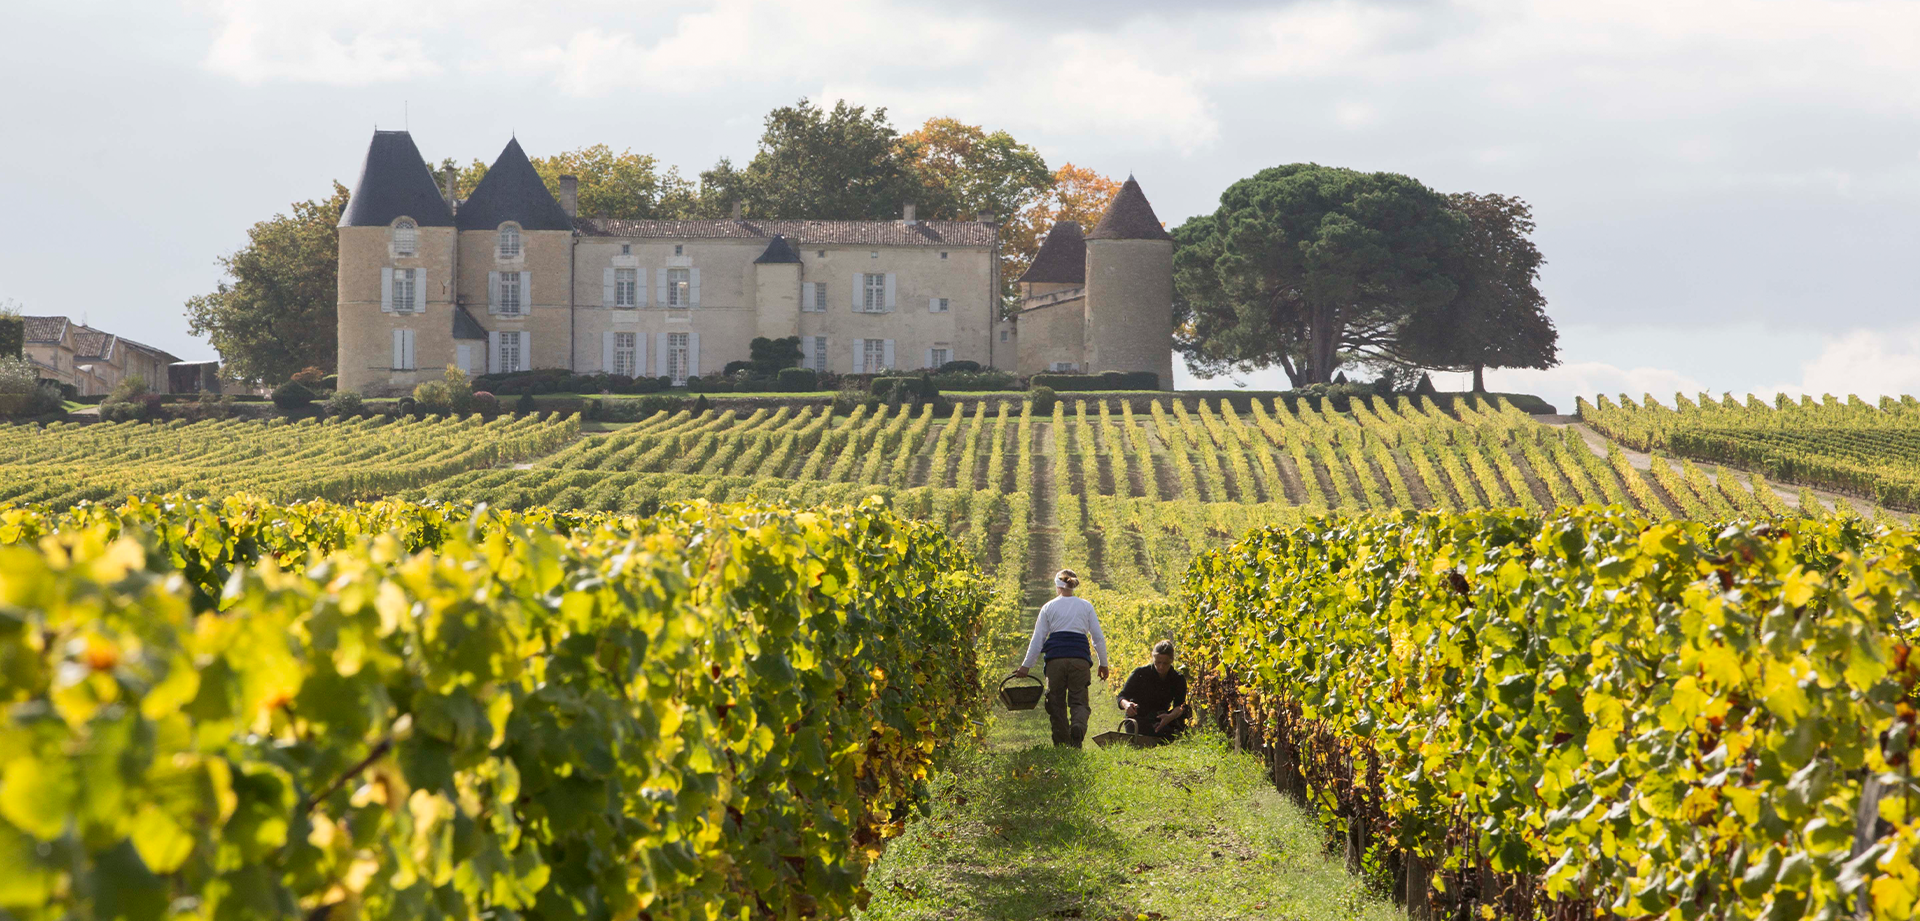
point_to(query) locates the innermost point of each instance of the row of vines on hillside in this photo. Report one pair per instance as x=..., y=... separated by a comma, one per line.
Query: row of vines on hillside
x=240, y=710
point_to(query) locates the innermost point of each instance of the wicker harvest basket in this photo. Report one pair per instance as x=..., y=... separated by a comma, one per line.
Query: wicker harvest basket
x=1022, y=696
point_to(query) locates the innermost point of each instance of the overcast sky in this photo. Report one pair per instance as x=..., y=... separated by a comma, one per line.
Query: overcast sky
x=1728, y=191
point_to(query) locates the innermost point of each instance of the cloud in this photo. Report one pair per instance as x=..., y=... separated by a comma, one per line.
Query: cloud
x=342, y=43
x=1867, y=363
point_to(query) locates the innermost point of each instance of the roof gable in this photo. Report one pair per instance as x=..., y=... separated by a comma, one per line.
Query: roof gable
x=44, y=329
x=1129, y=217
x=512, y=191
x=395, y=182
x=1062, y=259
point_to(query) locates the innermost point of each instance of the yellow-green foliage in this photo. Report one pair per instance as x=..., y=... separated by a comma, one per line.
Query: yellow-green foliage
x=253, y=711
x=1666, y=719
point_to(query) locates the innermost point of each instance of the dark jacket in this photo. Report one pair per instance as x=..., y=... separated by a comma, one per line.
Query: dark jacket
x=1156, y=694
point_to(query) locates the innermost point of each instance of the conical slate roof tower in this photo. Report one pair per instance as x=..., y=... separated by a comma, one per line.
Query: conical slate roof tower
x=395, y=182
x=1062, y=259
x=1129, y=217
x=1130, y=289
x=512, y=191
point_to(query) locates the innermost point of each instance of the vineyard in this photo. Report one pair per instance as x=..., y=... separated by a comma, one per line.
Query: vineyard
x=250, y=711
x=1584, y=712
x=1853, y=447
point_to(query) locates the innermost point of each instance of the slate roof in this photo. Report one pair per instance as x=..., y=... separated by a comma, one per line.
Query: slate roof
x=801, y=233
x=1062, y=259
x=512, y=191
x=395, y=181
x=778, y=251
x=44, y=329
x=465, y=326
x=1129, y=217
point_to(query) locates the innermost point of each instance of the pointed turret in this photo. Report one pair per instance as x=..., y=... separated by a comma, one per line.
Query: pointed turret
x=395, y=182
x=1129, y=217
x=1062, y=259
x=778, y=252
x=512, y=191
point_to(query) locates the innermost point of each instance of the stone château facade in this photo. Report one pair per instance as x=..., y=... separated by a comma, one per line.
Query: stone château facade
x=511, y=278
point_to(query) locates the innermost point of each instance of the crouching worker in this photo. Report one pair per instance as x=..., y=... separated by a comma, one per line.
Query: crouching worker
x=1068, y=633
x=1155, y=696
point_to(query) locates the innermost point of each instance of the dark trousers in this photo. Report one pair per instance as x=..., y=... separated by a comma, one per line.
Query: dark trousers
x=1067, y=709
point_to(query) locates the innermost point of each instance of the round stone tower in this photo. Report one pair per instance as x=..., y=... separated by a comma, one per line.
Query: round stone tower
x=1130, y=289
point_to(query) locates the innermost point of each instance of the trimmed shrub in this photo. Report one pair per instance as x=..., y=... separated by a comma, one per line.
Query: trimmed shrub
x=799, y=380
x=526, y=404
x=345, y=403
x=485, y=403
x=959, y=367
x=433, y=397
x=292, y=396
x=13, y=337
x=1040, y=401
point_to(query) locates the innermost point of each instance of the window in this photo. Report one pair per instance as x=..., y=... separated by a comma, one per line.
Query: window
x=679, y=288
x=820, y=354
x=509, y=241
x=873, y=355
x=937, y=305
x=406, y=237
x=626, y=354
x=943, y=255
x=1066, y=366
x=679, y=249
x=874, y=255
x=510, y=294
x=626, y=288
x=821, y=253
x=678, y=348
x=814, y=298
x=1003, y=335
x=873, y=293
x=510, y=358
x=626, y=249
x=406, y=286
x=938, y=357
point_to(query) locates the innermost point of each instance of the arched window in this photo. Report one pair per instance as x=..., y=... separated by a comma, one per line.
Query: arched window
x=406, y=237
x=509, y=241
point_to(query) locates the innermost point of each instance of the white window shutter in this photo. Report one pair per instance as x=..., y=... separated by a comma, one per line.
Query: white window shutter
x=526, y=347
x=889, y=291
x=463, y=356
x=493, y=351
x=693, y=286
x=660, y=355
x=607, y=298
x=933, y=305
x=806, y=351
x=859, y=284
x=806, y=295
x=660, y=288
x=693, y=354
x=639, y=354
x=399, y=349
x=386, y=289
x=493, y=293
x=929, y=358
x=526, y=294
x=606, y=353
x=639, y=288
x=886, y=355
x=859, y=356
x=412, y=363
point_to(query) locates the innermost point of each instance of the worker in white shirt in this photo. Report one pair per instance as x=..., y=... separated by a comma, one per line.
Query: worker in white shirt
x=1068, y=633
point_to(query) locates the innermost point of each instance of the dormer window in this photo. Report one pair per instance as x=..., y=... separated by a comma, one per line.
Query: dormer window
x=509, y=241
x=406, y=237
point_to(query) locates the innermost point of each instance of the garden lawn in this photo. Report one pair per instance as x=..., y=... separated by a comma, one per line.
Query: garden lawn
x=1187, y=832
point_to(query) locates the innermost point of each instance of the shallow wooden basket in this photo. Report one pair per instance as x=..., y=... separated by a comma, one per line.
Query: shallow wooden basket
x=1127, y=734
x=1021, y=696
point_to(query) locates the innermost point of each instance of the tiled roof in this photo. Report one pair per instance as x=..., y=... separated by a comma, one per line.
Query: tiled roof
x=801, y=233
x=1062, y=259
x=159, y=353
x=512, y=191
x=44, y=329
x=1129, y=217
x=395, y=181
x=91, y=343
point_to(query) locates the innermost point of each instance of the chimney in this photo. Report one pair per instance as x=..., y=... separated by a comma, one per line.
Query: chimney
x=906, y=214
x=448, y=175
x=570, y=195
x=736, y=209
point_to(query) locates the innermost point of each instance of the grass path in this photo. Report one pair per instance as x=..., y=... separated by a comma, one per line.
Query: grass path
x=1188, y=832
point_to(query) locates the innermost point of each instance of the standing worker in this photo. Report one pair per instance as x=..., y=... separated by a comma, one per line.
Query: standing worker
x=1068, y=633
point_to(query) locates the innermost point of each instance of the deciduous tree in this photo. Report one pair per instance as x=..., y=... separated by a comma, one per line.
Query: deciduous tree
x=617, y=185
x=1306, y=266
x=844, y=163
x=275, y=313
x=1075, y=194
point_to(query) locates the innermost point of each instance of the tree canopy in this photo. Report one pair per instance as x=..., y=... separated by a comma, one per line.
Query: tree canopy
x=844, y=163
x=1074, y=193
x=617, y=185
x=1307, y=268
x=274, y=313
